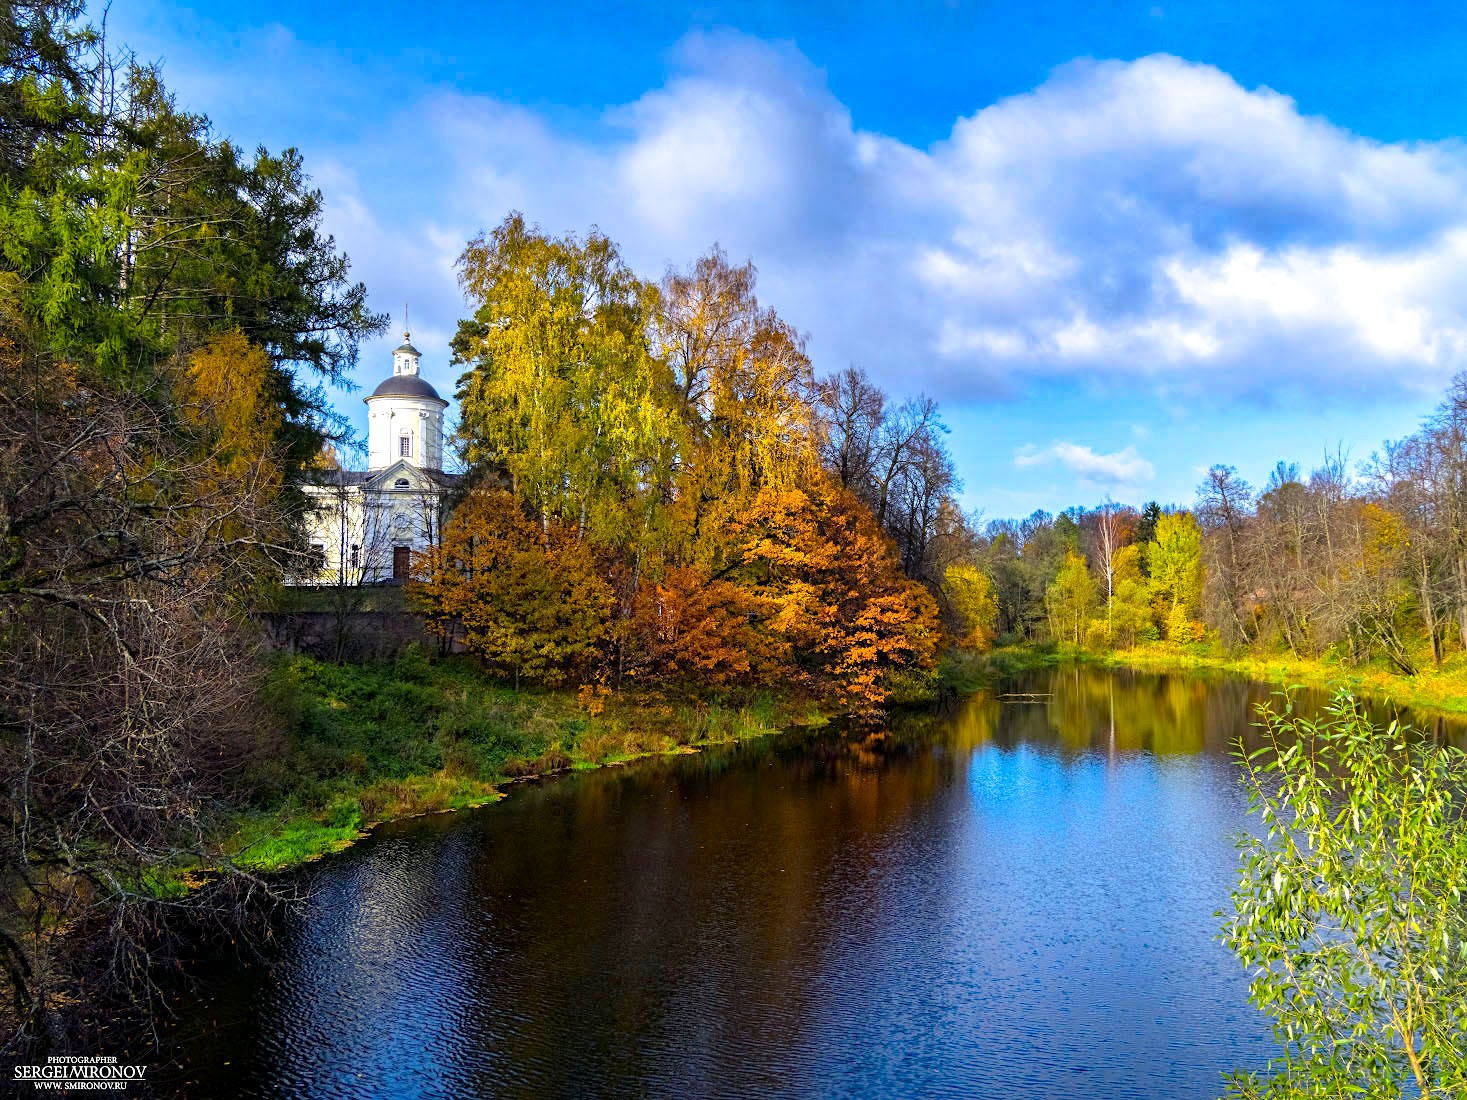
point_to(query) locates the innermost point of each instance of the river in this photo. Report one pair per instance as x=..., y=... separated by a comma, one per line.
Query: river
x=1014, y=899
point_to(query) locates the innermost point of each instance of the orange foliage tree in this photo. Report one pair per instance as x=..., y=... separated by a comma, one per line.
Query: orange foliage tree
x=689, y=628
x=525, y=598
x=834, y=591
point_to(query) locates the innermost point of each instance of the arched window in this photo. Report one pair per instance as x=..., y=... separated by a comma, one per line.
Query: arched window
x=401, y=483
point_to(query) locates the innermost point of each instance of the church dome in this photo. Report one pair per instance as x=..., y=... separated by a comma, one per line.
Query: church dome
x=405, y=385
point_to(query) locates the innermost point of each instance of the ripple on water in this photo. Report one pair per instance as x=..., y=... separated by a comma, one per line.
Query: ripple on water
x=1018, y=903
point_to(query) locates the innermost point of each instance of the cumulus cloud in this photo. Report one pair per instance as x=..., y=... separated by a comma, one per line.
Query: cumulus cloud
x=1123, y=467
x=1148, y=223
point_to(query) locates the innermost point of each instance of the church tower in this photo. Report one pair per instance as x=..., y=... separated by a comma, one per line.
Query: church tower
x=405, y=416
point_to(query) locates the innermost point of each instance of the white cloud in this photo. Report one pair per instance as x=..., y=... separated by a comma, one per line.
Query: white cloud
x=1144, y=223
x=1123, y=467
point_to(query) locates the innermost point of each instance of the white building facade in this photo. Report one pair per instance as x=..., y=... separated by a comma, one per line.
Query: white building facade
x=366, y=524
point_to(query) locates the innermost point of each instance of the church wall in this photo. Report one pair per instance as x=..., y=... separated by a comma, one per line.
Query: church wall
x=390, y=418
x=354, y=532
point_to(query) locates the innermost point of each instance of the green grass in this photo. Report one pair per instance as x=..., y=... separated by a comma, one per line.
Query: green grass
x=371, y=743
x=1444, y=690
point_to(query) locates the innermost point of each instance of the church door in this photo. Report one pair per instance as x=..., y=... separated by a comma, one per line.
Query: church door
x=399, y=563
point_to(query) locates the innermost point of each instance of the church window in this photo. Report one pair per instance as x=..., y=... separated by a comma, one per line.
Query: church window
x=401, y=483
x=356, y=556
x=405, y=446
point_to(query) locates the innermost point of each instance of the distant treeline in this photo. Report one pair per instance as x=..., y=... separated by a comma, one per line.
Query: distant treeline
x=1355, y=564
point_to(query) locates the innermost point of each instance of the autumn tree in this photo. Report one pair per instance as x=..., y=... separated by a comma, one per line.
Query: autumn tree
x=744, y=387
x=694, y=632
x=560, y=389
x=835, y=592
x=128, y=682
x=169, y=312
x=1224, y=503
x=1175, y=561
x=1447, y=433
x=852, y=410
x=1070, y=598
x=1409, y=479
x=524, y=597
x=970, y=594
x=894, y=457
x=1129, y=618
x=1109, y=534
x=1369, y=603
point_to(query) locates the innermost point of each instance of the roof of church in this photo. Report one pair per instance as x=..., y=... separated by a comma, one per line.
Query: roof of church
x=361, y=477
x=405, y=385
x=407, y=345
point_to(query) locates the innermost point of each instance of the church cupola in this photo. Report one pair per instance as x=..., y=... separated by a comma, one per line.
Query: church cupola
x=405, y=358
x=405, y=416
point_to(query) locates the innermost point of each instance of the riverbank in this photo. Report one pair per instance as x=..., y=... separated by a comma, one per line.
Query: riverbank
x=370, y=743
x=1443, y=690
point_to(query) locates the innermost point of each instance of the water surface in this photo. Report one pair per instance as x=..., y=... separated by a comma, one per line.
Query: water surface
x=1013, y=900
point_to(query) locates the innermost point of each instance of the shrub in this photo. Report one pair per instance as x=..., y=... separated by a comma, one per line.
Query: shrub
x=1349, y=912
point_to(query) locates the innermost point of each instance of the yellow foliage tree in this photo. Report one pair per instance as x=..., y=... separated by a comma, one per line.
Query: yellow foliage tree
x=1130, y=607
x=1070, y=598
x=1175, y=560
x=970, y=594
x=561, y=391
x=225, y=391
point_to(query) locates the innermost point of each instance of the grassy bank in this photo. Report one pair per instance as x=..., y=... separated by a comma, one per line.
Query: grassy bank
x=371, y=743
x=1443, y=690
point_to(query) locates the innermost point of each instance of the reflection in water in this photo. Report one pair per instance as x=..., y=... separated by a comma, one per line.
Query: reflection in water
x=1016, y=899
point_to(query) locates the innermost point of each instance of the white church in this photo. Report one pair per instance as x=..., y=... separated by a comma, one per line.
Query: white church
x=366, y=524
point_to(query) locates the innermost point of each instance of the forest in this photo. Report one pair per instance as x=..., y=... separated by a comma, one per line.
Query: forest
x=1355, y=565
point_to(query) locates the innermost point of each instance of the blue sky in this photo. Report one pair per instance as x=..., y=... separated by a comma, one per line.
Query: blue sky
x=1118, y=241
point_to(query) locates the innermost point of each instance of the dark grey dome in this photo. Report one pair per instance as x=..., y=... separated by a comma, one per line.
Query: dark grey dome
x=405, y=385
x=407, y=346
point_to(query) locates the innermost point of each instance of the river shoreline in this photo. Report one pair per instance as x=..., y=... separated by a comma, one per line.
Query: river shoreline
x=1440, y=692
x=603, y=731
x=366, y=745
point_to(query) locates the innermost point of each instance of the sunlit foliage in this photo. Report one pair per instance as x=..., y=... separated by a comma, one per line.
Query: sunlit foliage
x=1349, y=913
x=671, y=436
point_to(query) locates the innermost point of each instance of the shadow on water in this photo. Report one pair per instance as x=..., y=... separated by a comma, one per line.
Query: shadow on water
x=1013, y=899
